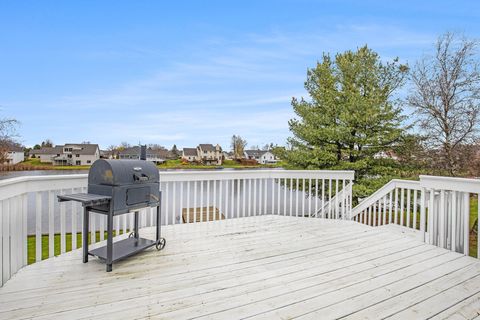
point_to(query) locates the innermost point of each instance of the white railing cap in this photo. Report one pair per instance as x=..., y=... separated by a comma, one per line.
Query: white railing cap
x=450, y=183
x=20, y=185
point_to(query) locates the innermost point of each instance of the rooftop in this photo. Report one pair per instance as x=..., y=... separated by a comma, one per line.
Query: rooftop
x=262, y=267
x=190, y=151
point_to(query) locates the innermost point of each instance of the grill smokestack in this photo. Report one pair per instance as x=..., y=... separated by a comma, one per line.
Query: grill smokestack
x=143, y=152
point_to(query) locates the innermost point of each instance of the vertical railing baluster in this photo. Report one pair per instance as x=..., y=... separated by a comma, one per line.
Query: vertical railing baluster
x=466, y=223
x=390, y=196
x=38, y=226
x=285, y=197
x=220, y=199
x=188, y=202
x=442, y=222
x=309, y=197
x=278, y=197
x=296, y=197
x=272, y=209
x=201, y=200
x=265, y=190
x=250, y=197
x=336, y=199
x=63, y=244
x=291, y=197
x=13, y=233
x=214, y=200
x=244, y=197
x=232, y=194
x=431, y=214
x=395, y=218
x=408, y=207
x=194, y=202
x=384, y=217
x=255, y=182
x=453, y=243
x=174, y=204
x=415, y=209
x=304, y=193
x=323, y=198
x=227, y=215
x=51, y=224
x=238, y=197
x=207, y=205
x=73, y=224
x=180, y=220
x=423, y=205
x=329, y=198
x=24, y=233
x=402, y=209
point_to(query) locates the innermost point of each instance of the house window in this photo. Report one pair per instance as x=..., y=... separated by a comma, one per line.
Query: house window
x=78, y=162
x=88, y=161
x=77, y=155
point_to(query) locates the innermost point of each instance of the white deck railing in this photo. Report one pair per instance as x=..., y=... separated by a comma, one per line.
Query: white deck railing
x=437, y=207
x=30, y=213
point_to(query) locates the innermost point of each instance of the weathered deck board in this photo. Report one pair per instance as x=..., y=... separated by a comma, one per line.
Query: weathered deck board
x=263, y=267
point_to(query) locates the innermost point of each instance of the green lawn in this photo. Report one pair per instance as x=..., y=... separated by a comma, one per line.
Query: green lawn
x=177, y=164
x=32, y=164
x=35, y=163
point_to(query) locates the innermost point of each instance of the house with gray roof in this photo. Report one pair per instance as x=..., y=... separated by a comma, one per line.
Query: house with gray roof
x=70, y=154
x=14, y=155
x=153, y=154
x=204, y=153
x=261, y=156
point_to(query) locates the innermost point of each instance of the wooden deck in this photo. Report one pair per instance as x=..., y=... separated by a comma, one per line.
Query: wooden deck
x=266, y=267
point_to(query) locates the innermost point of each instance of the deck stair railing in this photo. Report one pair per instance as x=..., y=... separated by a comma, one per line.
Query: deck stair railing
x=335, y=207
x=438, y=209
x=30, y=216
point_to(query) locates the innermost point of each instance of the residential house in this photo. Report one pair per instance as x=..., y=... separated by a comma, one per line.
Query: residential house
x=155, y=155
x=190, y=154
x=261, y=156
x=204, y=153
x=78, y=154
x=14, y=155
x=210, y=154
x=227, y=155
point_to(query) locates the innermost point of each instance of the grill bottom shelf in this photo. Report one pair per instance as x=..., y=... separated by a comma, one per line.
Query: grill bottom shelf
x=123, y=248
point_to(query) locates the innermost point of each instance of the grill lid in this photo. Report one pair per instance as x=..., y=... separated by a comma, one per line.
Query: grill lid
x=122, y=172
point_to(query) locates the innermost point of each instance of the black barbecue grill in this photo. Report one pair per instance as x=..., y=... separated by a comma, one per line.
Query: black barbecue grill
x=118, y=187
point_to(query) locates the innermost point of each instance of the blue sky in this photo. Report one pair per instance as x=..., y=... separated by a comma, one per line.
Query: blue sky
x=190, y=72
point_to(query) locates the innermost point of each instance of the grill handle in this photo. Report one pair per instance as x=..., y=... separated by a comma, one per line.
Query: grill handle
x=142, y=177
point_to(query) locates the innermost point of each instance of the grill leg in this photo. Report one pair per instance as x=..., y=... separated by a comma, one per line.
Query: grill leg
x=110, y=241
x=85, y=234
x=159, y=222
x=135, y=225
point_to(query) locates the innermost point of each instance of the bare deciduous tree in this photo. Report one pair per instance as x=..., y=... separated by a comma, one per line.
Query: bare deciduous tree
x=446, y=96
x=238, y=146
x=7, y=136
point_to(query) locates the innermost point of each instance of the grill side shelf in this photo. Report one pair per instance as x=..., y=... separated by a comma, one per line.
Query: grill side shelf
x=86, y=199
